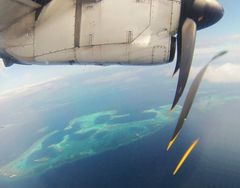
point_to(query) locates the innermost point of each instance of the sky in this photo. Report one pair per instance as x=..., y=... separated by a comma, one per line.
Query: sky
x=225, y=35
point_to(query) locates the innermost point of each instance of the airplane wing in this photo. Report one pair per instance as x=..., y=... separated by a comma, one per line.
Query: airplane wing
x=12, y=10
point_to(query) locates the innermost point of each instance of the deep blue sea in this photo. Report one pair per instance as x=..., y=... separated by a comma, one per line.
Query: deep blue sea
x=214, y=163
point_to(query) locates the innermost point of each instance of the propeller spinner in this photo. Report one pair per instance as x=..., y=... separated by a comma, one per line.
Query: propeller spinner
x=195, y=15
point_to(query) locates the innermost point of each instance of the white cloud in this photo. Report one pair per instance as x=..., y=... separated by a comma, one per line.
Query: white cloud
x=225, y=69
x=226, y=73
x=207, y=48
x=27, y=88
x=219, y=40
x=123, y=76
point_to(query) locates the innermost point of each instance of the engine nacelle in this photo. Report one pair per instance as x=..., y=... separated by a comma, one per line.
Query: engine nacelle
x=99, y=32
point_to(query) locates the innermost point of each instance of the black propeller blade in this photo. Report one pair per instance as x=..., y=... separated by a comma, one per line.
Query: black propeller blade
x=189, y=99
x=188, y=36
x=195, y=15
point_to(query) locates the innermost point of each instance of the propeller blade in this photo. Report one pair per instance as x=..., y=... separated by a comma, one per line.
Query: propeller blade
x=185, y=156
x=188, y=36
x=179, y=49
x=220, y=54
x=189, y=99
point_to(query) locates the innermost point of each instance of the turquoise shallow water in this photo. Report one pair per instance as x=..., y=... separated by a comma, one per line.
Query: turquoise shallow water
x=86, y=136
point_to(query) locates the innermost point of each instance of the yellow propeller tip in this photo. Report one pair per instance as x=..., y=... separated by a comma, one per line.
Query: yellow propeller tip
x=172, y=142
x=169, y=145
x=185, y=156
